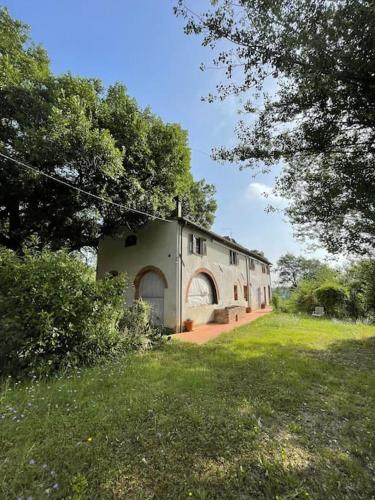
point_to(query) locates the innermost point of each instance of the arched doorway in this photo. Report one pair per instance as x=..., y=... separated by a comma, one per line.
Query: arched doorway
x=150, y=284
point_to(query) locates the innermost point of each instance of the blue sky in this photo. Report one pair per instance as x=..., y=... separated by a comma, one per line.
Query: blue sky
x=141, y=43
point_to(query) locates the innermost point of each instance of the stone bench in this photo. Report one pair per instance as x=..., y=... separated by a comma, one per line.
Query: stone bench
x=230, y=314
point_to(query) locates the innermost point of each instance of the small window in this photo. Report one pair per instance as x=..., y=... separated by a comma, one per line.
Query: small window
x=235, y=290
x=252, y=264
x=263, y=269
x=198, y=246
x=245, y=292
x=233, y=258
x=131, y=240
x=268, y=270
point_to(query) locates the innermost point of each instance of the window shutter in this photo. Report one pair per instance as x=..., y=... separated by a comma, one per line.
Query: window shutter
x=233, y=257
x=197, y=245
x=191, y=243
x=204, y=247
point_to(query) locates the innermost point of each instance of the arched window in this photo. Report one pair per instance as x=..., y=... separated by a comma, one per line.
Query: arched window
x=202, y=291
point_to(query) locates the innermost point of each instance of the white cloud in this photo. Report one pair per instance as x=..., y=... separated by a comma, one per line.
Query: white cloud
x=257, y=191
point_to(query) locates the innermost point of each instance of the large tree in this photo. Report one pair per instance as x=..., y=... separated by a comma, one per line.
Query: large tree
x=318, y=119
x=95, y=139
x=199, y=204
x=291, y=269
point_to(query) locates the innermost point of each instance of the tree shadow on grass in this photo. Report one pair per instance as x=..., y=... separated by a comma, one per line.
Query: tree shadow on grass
x=217, y=421
x=357, y=354
x=293, y=423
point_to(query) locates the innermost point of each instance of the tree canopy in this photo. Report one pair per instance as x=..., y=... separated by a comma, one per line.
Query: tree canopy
x=95, y=139
x=292, y=269
x=318, y=119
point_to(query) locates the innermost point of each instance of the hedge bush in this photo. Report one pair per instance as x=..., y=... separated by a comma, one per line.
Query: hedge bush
x=55, y=315
x=332, y=296
x=303, y=298
x=360, y=280
x=137, y=332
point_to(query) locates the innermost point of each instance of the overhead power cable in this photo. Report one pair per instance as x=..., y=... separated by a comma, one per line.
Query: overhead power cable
x=83, y=191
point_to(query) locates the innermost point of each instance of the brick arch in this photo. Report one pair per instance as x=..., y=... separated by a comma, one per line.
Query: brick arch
x=203, y=270
x=145, y=270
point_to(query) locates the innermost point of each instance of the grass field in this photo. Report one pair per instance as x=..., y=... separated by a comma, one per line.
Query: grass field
x=281, y=408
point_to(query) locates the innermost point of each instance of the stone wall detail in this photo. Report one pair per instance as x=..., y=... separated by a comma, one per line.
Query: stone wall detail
x=230, y=314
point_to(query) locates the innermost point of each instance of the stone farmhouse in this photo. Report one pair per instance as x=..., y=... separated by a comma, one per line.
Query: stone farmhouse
x=186, y=272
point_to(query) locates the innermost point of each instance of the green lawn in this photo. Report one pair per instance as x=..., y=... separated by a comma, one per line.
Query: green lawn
x=282, y=408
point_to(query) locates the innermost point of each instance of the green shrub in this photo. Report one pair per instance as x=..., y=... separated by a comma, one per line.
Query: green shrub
x=280, y=304
x=276, y=299
x=303, y=298
x=137, y=332
x=360, y=280
x=356, y=303
x=53, y=314
x=285, y=306
x=332, y=296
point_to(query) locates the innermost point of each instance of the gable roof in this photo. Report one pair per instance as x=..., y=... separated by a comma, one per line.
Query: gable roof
x=230, y=243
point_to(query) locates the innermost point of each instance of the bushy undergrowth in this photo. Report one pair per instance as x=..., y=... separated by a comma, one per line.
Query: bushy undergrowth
x=360, y=279
x=333, y=296
x=137, y=332
x=55, y=315
x=349, y=295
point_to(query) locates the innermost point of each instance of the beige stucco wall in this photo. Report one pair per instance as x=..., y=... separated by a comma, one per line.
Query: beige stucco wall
x=226, y=276
x=259, y=280
x=156, y=246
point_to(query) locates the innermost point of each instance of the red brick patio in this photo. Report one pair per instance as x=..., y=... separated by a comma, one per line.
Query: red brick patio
x=203, y=333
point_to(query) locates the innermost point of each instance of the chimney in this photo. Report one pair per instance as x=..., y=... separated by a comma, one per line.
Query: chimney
x=178, y=207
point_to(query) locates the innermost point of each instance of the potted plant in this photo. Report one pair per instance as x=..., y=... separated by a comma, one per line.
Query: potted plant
x=189, y=325
x=248, y=309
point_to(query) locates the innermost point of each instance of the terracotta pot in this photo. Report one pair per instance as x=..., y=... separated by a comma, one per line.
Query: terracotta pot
x=248, y=309
x=263, y=306
x=189, y=324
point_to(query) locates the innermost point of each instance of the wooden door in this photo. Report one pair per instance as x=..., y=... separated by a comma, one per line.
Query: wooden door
x=151, y=290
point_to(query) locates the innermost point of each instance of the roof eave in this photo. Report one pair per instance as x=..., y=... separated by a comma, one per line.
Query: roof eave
x=228, y=243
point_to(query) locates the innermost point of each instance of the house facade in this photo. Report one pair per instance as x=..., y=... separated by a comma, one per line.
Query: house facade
x=186, y=272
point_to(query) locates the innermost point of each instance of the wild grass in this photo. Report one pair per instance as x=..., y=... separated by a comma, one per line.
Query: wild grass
x=282, y=408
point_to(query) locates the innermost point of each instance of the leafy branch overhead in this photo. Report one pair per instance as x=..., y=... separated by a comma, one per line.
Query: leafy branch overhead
x=96, y=139
x=306, y=70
